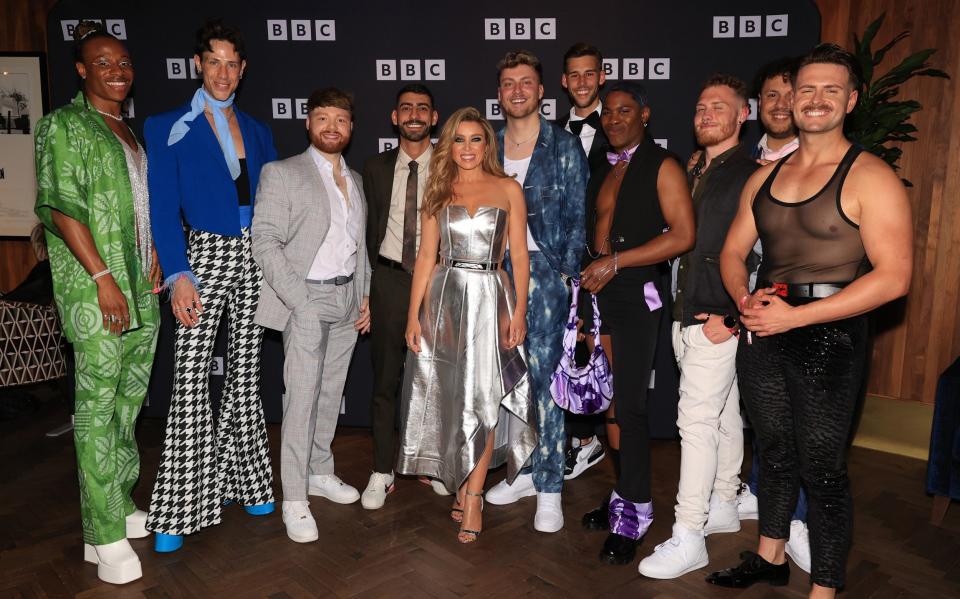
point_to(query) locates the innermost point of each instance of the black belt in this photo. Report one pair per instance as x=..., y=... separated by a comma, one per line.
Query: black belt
x=340, y=280
x=390, y=263
x=807, y=290
x=469, y=264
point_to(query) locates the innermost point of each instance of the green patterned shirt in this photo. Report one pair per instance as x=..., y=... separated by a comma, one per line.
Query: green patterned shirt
x=82, y=172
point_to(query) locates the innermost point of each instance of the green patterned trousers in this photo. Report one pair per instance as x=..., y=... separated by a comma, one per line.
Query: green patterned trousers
x=112, y=376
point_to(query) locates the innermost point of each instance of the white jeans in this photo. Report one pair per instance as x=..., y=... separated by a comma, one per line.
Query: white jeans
x=708, y=416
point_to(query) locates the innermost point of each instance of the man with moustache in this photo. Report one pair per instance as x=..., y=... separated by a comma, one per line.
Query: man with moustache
x=393, y=183
x=774, y=89
x=639, y=215
x=550, y=165
x=837, y=236
x=582, y=77
x=711, y=431
x=309, y=240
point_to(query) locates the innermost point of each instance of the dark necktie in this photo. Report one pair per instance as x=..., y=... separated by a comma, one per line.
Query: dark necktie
x=577, y=126
x=410, y=220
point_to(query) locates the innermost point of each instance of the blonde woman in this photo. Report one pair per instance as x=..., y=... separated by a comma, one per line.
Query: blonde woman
x=467, y=405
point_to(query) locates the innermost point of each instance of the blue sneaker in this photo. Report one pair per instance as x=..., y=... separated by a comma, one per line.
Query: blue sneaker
x=164, y=543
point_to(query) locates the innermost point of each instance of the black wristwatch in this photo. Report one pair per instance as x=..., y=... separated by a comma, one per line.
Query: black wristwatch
x=731, y=323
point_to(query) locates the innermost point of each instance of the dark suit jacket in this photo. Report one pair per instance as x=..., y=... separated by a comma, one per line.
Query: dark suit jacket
x=377, y=187
x=598, y=151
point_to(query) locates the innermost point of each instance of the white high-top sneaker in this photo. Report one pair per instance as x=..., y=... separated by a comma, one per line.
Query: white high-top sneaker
x=137, y=525
x=117, y=562
x=331, y=487
x=747, y=505
x=684, y=552
x=549, y=516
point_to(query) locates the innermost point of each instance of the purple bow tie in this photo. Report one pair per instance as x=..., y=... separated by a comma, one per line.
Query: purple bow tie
x=624, y=156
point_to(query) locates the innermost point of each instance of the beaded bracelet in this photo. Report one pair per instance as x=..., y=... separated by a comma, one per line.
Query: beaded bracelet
x=102, y=273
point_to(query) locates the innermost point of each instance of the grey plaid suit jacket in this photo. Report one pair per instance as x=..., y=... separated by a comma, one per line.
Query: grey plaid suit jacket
x=290, y=221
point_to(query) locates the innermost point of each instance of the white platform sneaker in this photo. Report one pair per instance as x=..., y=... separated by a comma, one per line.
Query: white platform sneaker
x=682, y=553
x=301, y=527
x=117, y=562
x=505, y=494
x=329, y=486
x=549, y=516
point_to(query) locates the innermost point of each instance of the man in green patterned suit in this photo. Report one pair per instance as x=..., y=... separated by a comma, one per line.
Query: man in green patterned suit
x=92, y=199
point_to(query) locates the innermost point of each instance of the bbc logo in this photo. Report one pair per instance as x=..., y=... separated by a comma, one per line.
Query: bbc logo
x=217, y=367
x=301, y=30
x=116, y=27
x=753, y=109
x=410, y=70
x=548, y=109
x=663, y=144
x=181, y=68
x=520, y=29
x=751, y=26
x=637, y=68
x=289, y=108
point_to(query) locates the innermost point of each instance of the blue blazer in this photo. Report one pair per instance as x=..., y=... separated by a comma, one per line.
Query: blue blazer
x=190, y=182
x=555, y=190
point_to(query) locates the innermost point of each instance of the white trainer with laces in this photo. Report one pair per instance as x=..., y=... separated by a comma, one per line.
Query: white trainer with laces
x=379, y=486
x=329, y=486
x=549, y=516
x=682, y=553
x=301, y=527
x=505, y=494
x=798, y=545
x=747, y=506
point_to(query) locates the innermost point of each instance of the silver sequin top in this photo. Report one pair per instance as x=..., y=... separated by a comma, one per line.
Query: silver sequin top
x=137, y=167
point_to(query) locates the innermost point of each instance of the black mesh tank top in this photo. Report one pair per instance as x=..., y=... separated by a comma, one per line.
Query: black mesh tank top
x=811, y=241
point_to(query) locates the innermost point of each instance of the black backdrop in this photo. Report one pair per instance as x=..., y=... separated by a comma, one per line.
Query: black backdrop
x=373, y=47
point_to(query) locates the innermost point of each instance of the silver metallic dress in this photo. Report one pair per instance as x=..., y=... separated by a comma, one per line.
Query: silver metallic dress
x=464, y=383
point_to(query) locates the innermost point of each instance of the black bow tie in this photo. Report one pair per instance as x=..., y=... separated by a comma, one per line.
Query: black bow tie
x=577, y=126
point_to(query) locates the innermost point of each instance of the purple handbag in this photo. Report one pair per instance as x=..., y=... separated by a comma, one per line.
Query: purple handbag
x=586, y=390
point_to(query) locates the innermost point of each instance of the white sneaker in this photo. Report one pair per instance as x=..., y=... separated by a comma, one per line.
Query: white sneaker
x=747, y=506
x=722, y=517
x=379, y=486
x=117, y=563
x=329, y=486
x=301, y=527
x=580, y=457
x=798, y=545
x=137, y=525
x=505, y=494
x=682, y=553
x=549, y=516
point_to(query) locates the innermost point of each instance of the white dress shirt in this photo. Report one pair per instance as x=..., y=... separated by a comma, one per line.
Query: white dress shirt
x=337, y=255
x=392, y=245
x=588, y=133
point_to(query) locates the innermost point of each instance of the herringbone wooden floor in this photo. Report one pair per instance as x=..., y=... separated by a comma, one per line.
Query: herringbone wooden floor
x=409, y=548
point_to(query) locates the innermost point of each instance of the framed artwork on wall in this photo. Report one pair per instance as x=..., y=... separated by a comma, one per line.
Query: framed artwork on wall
x=23, y=100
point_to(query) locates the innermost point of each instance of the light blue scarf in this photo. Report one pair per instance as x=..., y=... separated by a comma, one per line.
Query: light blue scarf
x=181, y=127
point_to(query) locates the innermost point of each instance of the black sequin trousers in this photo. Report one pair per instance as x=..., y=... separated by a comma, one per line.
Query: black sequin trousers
x=800, y=389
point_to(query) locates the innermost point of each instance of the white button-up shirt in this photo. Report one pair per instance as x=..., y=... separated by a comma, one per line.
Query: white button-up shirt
x=392, y=245
x=587, y=133
x=337, y=255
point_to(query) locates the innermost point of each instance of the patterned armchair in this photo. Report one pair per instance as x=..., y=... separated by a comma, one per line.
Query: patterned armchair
x=31, y=344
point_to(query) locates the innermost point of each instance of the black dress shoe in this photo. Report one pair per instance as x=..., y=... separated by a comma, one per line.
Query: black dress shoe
x=597, y=519
x=752, y=569
x=618, y=549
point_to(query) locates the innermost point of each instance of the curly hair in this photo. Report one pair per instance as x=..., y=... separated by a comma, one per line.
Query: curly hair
x=443, y=170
